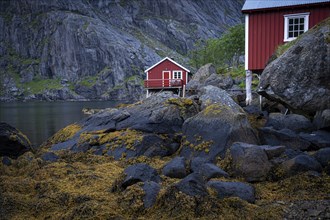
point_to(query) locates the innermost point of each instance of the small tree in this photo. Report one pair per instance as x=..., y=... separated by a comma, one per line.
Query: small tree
x=223, y=51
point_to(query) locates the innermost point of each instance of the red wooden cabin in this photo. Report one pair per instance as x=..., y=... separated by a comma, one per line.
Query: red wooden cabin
x=166, y=75
x=270, y=23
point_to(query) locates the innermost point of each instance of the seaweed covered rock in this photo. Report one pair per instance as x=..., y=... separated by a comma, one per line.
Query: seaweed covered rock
x=12, y=142
x=300, y=77
x=249, y=161
x=212, y=131
x=233, y=189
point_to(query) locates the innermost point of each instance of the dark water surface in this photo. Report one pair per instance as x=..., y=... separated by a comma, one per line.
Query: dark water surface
x=40, y=120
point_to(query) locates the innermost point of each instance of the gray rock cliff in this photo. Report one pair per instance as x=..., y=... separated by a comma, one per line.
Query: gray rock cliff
x=98, y=49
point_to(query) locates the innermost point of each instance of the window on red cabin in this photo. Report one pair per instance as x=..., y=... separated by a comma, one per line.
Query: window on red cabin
x=295, y=25
x=177, y=74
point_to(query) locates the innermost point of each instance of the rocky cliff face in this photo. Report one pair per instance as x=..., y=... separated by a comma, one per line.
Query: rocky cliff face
x=98, y=49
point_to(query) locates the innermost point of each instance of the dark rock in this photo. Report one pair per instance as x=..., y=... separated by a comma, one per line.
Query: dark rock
x=6, y=161
x=200, y=76
x=140, y=172
x=233, y=189
x=197, y=162
x=301, y=80
x=293, y=122
x=322, y=119
x=161, y=113
x=49, y=157
x=67, y=145
x=273, y=151
x=221, y=81
x=285, y=137
x=300, y=163
x=151, y=190
x=192, y=185
x=222, y=122
x=12, y=142
x=318, y=139
x=323, y=156
x=249, y=161
x=175, y=168
x=209, y=171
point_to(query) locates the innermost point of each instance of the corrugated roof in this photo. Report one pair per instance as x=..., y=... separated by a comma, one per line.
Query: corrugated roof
x=261, y=4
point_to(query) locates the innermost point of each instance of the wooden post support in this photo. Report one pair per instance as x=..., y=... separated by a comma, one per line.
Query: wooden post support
x=248, y=85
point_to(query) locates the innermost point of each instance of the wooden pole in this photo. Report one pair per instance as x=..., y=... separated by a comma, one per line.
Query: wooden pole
x=248, y=85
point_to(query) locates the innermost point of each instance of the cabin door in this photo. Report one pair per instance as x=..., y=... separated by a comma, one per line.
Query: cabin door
x=166, y=78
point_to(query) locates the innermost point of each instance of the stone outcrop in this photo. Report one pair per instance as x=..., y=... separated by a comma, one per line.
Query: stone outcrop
x=98, y=49
x=12, y=142
x=300, y=77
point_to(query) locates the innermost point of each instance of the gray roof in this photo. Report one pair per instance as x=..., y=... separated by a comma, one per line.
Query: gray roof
x=261, y=4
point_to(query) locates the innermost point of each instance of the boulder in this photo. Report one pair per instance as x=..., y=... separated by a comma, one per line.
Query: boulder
x=197, y=162
x=200, y=76
x=249, y=161
x=300, y=163
x=284, y=137
x=293, y=122
x=210, y=132
x=140, y=172
x=209, y=171
x=323, y=156
x=300, y=77
x=49, y=157
x=233, y=189
x=318, y=139
x=322, y=119
x=175, y=168
x=151, y=190
x=192, y=185
x=12, y=142
x=213, y=95
x=273, y=151
x=221, y=81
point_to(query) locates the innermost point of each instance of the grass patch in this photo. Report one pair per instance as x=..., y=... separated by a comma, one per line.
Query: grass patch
x=40, y=85
x=89, y=81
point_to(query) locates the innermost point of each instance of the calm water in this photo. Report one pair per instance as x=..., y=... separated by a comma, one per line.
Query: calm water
x=40, y=120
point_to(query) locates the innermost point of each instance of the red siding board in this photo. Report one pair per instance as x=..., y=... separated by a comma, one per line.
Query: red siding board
x=266, y=31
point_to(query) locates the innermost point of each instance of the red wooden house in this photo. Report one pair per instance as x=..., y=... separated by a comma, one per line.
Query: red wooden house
x=166, y=75
x=269, y=23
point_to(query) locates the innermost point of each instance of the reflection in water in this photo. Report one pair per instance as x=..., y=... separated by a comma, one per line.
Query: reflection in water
x=40, y=120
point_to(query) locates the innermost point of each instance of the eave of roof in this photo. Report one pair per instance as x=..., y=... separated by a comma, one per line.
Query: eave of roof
x=257, y=5
x=167, y=58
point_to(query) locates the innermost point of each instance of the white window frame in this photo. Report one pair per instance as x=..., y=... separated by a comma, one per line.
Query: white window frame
x=177, y=72
x=305, y=16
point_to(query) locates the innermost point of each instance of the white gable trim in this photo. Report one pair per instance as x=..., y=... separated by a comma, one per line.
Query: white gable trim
x=167, y=58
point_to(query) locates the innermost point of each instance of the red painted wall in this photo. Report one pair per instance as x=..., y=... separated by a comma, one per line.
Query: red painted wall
x=157, y=71
x=266, y=31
